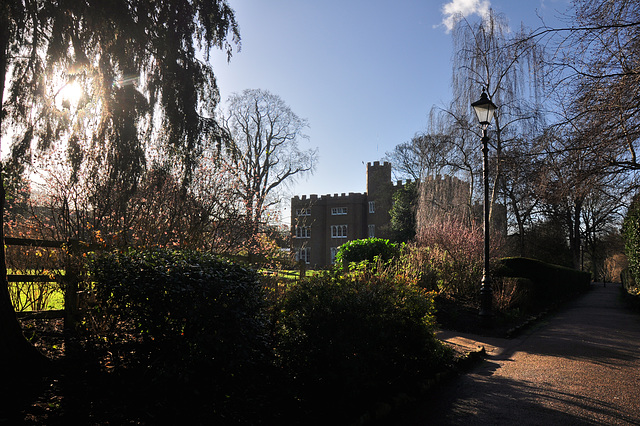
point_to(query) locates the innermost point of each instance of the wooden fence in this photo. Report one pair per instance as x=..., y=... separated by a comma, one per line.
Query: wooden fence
x=70, y=281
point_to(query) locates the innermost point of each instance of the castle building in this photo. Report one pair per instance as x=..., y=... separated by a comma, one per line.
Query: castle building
x=320, y=225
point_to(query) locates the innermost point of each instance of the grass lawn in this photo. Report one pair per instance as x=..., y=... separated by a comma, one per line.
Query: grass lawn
x=46, y=296
x=27, y=296
x=27, y=300
x=289, y=274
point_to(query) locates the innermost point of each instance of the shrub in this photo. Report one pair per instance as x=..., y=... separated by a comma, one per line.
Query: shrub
x=417, y=264
x=631, y=234
x=355, y=337
x=366, y=250
x=452, y=252
x=549, y=283
x=629, y=282
x=200, y=320
x=512, y=294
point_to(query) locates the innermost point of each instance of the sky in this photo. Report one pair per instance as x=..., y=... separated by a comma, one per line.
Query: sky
x=364, y=73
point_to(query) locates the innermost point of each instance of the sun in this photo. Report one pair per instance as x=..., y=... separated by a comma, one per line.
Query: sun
x=71, y=93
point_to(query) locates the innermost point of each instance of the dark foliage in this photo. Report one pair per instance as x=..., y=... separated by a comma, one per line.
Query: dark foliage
x=197, y=322
x=403, y=213
x=631, y=235
x=547, y=282
x=183, y=337
x=346, y=340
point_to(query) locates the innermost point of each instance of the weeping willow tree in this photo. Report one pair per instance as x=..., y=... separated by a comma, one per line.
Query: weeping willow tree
x=507, y=64
x=101, y=81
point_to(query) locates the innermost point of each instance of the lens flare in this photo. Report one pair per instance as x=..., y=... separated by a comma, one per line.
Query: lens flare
x=71, y=93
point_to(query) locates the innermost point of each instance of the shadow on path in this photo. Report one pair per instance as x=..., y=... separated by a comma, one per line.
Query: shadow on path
x=581, y=366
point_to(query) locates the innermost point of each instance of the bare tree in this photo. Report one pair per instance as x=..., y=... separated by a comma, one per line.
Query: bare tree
x=594, y=142
x=424, y=155
x=519, y=193
x=599, y=61
x=573, y=184
x=601, y=222
x=265, y=152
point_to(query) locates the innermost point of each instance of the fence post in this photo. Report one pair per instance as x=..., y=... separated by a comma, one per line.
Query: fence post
x=302, y=265
x=70, y=282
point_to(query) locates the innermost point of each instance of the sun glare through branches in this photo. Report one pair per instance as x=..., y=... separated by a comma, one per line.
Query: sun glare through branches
x=69, y=95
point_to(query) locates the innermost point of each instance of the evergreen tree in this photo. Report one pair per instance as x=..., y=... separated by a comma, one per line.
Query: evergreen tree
x=403, y=213
x=142, y=80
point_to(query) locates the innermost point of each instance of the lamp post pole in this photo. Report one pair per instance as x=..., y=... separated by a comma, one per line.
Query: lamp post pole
x=486, y=292
x=485, y=109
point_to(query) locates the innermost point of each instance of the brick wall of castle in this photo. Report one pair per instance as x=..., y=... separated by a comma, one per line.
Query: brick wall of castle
x=321, y=224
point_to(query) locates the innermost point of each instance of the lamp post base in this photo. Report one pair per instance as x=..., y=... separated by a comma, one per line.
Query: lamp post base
x=486, y=300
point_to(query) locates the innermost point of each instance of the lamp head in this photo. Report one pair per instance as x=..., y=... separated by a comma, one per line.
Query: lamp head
x=485, y=110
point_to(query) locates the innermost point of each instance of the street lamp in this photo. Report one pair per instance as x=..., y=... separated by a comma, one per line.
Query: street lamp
x=485, y=109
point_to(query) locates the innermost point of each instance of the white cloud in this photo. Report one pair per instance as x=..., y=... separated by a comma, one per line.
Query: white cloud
x=456, y=9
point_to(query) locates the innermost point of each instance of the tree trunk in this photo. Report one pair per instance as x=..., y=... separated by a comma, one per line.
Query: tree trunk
x=15, y=351
x=520, y=222
x=574, y=234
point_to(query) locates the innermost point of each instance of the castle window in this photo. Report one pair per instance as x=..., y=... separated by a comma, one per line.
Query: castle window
x=338, y=211
x=338, y=231
x=372, y=231
x=304, y=254
x=372, y=206
x=333, y=251
x=303, y=212
x=303, y=232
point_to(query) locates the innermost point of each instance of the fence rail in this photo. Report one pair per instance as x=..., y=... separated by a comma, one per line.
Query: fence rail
x=70, y=279
x=48, y=314
x=32, y=278
x=30, y=242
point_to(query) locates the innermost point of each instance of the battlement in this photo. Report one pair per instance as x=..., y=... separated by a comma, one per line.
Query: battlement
x=377, y=164
x=327, y=197
x=400, y=183
x=437, y=180
x=321, y=223
x=304, y=197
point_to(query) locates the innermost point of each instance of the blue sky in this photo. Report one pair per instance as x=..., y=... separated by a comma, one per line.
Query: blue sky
x=364, y=73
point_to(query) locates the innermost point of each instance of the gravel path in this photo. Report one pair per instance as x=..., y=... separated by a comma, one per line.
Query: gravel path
x=579, y=367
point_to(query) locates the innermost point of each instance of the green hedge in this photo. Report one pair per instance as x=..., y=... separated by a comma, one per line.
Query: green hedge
x=631, y=236
x=550, y=282
x=629, y=283
x=179, y=295
x=366, y=250
x=354, y=338
x=194, y=319
x=224, y=350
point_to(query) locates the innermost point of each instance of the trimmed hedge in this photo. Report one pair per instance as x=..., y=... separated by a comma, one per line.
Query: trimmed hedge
x=366, y=250
x=550, y=282
x=209, y=343
x=191, y=318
